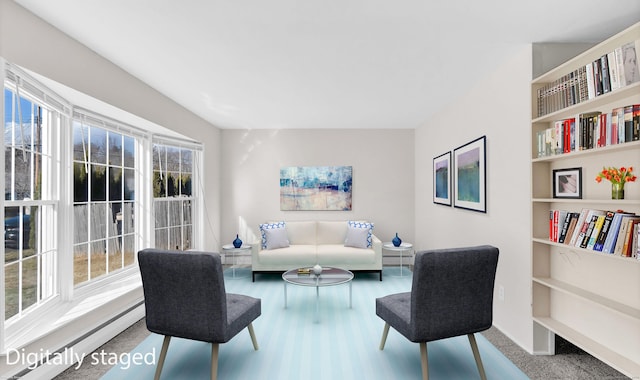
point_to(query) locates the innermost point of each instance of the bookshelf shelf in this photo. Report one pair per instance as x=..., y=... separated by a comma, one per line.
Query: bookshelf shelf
x=577, y=202
x=600, y=102
x=630, y=146
x=563, y=248
x=590, y=298
x=604, y=353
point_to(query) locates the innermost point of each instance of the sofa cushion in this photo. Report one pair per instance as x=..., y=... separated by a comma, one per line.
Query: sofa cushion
x=303, y=232
x=331, y=232
x=293, y=256
x=339, y=255
x=358, y=234
x=274, y=235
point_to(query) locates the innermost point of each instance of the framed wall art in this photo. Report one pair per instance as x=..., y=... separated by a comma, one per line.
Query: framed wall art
x=442, y=179
x=567, y=183
x=316, y=188
x=469, y=173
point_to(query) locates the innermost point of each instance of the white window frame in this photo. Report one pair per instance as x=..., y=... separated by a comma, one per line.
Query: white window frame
x=195, y=151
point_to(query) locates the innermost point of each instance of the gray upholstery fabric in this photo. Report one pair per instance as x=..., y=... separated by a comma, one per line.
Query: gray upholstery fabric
x=451, y=295
x=185, y=297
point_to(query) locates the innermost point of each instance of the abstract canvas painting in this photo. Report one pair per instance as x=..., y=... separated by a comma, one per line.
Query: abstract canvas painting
x=315, y=188
x=442, y=179
x=470, y=181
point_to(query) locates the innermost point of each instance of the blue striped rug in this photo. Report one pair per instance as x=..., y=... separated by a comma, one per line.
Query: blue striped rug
x=342, y=344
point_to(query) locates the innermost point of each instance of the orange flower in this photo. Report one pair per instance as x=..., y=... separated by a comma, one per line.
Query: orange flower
x=615, y=175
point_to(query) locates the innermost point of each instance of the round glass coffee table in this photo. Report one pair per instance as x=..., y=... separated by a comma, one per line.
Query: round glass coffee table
x=306, y=277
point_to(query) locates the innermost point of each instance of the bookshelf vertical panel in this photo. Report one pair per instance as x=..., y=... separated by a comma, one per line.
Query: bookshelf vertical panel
x=542, y=184
x=542, y=294
x=541, y=263
x=540, y=211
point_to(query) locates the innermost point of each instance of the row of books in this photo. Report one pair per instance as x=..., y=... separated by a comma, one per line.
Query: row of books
x=590, y=130
x=610, y=72
x=612, y=232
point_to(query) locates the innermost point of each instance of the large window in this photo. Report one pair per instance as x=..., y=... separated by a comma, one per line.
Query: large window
x=30, y=248
x=81, y=194
x=103, y=199
x=172, y=196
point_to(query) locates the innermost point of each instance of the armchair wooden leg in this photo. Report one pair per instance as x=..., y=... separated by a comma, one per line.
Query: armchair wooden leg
x=163, y=355
x=476, y=355
x=253, y=336
x=424, y=360
x=214, y=360
x=385, y=332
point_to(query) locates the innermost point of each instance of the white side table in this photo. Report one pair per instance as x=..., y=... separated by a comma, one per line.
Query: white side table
x=404, y=247
x=230, y=249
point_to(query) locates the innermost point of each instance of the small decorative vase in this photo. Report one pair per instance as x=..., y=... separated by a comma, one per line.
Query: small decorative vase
x=617, y=191
x=237, y=243
x=317, y=269
x=396, y=241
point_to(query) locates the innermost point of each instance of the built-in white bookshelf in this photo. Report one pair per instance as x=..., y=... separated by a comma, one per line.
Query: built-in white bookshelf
x=589, y=298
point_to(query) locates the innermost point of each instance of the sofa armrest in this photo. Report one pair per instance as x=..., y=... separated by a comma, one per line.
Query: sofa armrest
x=376, y=245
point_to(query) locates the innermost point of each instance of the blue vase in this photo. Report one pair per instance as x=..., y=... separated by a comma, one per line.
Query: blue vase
x=396, y=241
x=237, y=242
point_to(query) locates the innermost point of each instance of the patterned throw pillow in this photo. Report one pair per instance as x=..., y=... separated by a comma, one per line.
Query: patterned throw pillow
x=274, y=235
x=359, y=234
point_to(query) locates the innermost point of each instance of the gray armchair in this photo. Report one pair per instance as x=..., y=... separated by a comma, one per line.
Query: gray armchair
x=451, y=295
x=185, y=297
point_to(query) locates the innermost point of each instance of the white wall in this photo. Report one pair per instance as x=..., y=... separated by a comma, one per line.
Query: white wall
x=498, y=106
x=383, y=183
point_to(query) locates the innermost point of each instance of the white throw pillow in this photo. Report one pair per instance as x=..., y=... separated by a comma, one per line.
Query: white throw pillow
x=274, y=235
x=358, y=234
x=356, y=237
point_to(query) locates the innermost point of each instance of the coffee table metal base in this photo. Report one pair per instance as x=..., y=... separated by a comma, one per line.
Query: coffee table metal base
x=332, y=276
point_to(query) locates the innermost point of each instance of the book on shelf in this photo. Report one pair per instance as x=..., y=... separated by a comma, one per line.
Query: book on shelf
x=590, y=228
x=610, y=72
x=566, y=220
x=630, y=55
x=628, y=123
x=573, y=220
x=636, y=122
x=627, y=248
x=636, y=242
x=612, y=234
x=604, y=73
x=579, y=224
x=590, y=130
x=622, y=245
x=598, y=243
x=612, y=59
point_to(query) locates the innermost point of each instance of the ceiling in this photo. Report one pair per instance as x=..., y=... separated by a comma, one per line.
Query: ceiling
x=322, y=64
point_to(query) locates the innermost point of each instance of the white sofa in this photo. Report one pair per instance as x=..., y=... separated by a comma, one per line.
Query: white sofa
x=317, y=242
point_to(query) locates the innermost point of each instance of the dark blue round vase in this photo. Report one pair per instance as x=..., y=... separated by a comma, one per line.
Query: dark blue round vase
x=396, y=241
x=237, y=242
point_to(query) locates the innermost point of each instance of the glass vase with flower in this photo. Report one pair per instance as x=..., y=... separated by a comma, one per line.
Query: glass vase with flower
x=618, y=177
